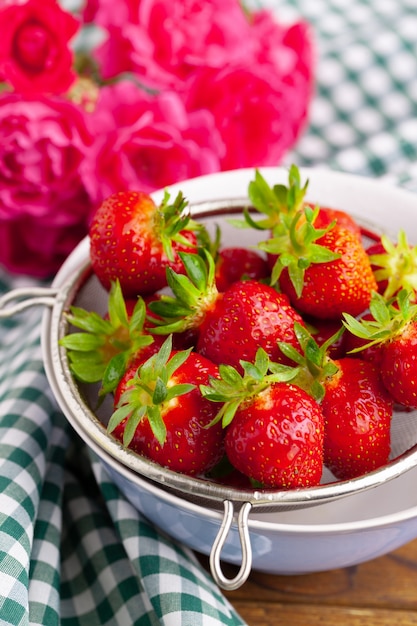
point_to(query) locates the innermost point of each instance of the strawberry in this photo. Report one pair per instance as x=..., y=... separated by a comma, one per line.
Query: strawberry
x=102, y=351
x=394, y=264
x=326, y=289
x=274, y=429
x=393, y=332
x=324, y=270
x=357, y=411
x=133, y=240
x=249, y=315
x=231, y=325
x=356, y=406
x=234, y=263
x=161, y=414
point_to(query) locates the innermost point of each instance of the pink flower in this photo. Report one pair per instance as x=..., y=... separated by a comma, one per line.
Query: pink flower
x=44, y=207
x=147, y=142
x=259, y=108
x=34, y=54
x=163, y=41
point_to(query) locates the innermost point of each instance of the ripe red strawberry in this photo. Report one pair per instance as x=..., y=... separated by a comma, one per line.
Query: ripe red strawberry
x=274, y=429
x=399, y=365
x=356, y=406
x=325, y=271
x=392, y=332
x=357, y=411
x=249, y=315
x=234, y=263
x=330, y=288
x=161, y=414
x=231, y=325
x=133, y=240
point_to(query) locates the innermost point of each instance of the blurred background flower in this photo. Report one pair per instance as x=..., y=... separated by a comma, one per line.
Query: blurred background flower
x=95, y=100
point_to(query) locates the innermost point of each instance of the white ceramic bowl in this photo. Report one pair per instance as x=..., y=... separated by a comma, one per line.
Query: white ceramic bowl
x=326, y=535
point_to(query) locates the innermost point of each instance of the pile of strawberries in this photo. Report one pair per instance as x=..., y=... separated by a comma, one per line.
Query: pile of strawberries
x=250, y=366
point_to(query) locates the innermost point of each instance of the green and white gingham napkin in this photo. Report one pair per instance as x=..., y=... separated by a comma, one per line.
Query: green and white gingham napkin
x=73, y=551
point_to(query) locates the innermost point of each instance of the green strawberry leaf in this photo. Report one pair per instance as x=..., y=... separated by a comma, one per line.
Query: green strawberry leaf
x=150, y=391
x=113, y=373
x=193, y=293
x=99, y=353
x=397, y=265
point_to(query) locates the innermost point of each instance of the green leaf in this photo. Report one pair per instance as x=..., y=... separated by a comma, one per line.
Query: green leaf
x=296, y=275
x=118, y=416
x=196, y=269
x=229, y=375
x=116, y=306
x=179, y=390
x=290, y=352
x=230, y=412
x=177, y=360
x=157, y=424
x=113, y=373
x=138, y=316
x=132, y=423
x=87, y=374
x=160, y=391
x=184, y=290
x=82, y=342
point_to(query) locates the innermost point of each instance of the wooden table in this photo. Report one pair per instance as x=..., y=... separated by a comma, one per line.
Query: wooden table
x=382, y=592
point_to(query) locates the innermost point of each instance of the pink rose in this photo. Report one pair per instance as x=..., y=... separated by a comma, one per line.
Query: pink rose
x=259, y=108
x=163, y=41
x=34, y=54
x=147, y=142
x=44, y=207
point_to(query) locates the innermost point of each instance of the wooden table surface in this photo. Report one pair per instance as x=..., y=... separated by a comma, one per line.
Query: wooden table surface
x=378, y=593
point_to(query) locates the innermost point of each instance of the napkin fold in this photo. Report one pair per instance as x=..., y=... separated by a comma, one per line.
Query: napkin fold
x=73, y=550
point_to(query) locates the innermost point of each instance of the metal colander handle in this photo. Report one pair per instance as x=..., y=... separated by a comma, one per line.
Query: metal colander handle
x=25, y=298
x=230, y=584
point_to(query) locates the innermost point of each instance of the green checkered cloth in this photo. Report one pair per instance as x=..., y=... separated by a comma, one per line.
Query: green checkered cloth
x=73, y=551
x=364, y=114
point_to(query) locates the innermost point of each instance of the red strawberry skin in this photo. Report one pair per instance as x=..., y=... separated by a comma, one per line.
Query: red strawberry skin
x=233, y=264
x=125, y=244
x=399, y=366
x=190, y=448
x=247, y=316
x=277, y=438
x=357, y=411
x=344, y=285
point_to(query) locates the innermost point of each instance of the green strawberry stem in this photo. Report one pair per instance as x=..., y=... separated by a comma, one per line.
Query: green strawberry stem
x=193, y=294
x=389, y=318
x=101, y=352
x=397, y=266
x=233, y=389
x=313, y=361
x=290, y=222
x=273, y=202
x=293, y=242
x=171, y=220
x=150, y=391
